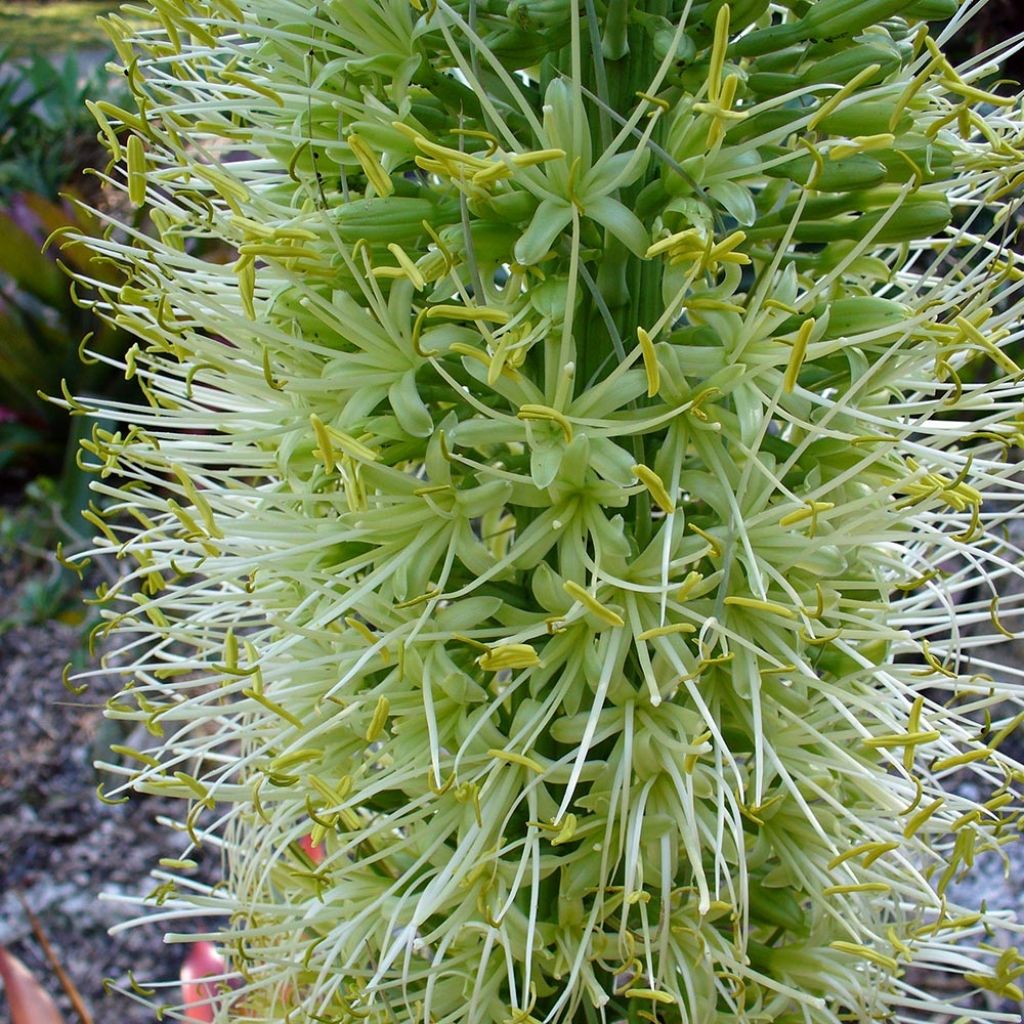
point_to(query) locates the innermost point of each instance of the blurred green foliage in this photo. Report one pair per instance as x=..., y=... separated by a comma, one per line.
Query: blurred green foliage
x=47, y=135
x=46, y=589
x=42, y=323
x=47, y=139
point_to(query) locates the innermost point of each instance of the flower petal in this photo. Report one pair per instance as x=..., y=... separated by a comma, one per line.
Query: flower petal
x=621, y=222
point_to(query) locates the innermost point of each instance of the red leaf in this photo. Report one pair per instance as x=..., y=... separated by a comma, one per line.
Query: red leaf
x=28, y=1000
x=203, y=961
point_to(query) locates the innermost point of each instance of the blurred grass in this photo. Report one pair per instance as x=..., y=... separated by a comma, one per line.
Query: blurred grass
x=58, y=25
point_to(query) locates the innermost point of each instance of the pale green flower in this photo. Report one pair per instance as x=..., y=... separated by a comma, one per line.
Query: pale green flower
x=580, y=505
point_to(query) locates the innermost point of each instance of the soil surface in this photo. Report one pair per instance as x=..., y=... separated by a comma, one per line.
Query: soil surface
x=71, y=858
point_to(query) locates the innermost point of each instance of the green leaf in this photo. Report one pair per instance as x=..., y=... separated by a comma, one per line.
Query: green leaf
x=30, y=270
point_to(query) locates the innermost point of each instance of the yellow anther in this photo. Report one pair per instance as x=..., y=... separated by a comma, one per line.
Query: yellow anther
x=285, y=761
x=137, y=755
x=419, y=599
x=508, y=656
x=650, y=358
x=946, y=923
x=1006, y=730
x=956, y=760
x=755, y=604
x=918, y=819
x=104, y=799
x=784, y=306
x=364, y=631
x=257, y=87
x=113, y=143
x=691, y=759
x=517, y=759
x=716, y=547
x=843, y=94
x=508, y=354
x=333, y=796
x=278, y=251
x=702, y=302
x=862, y=144
x=670, y=630
x=934, y=662
x=809, y=511
x=443, y=249
x=724, y=251
x=969, y=92
x=689, y=584
x=495, y=171
x=913, y=726
x=897, y=943
x=245, y=269
x=460, y=348
x=656, y=487
x=326, y=449
x=873, y=849
x=842, y=890
x=901, y=739
x=454, y=158
x=273, y=706
x=545, y=412
x=227, y=187
x=690, y=240
x=536, y=156
x=698, y=401
x=819, y=169
x=718, y=51
x=478, y=133
x=482, y=314
x=720, y=111
x=591, y=603
x=566, y=832
x=199, y=791
x=372, y=168
x=650, y=994
x=136, y=171
x=329, y=437
x=797, y=354
x=998, y=801
x=998, y=356
x=866, y=953
x=409, y=269
x=657, y=101
x=379, y=720
x=822, y=640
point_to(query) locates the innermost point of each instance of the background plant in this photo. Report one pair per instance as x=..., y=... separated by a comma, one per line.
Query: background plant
x=570, y=507
x=48, y=138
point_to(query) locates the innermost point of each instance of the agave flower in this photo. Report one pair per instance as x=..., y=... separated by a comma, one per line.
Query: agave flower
x=579, y=512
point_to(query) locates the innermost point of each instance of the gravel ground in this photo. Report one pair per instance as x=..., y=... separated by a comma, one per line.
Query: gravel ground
x=60, y=848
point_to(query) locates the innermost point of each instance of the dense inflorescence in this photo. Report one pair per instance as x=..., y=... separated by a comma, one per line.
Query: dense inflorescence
x=566, y=530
